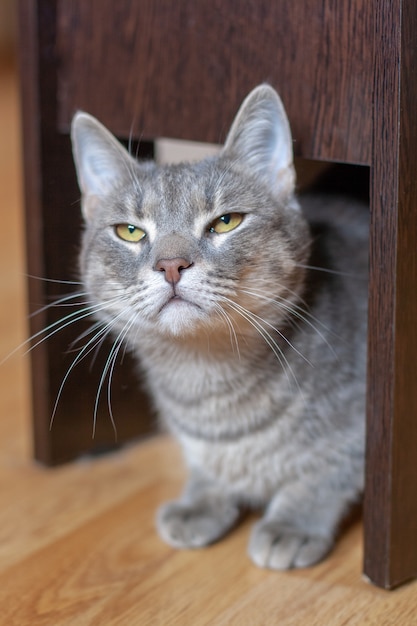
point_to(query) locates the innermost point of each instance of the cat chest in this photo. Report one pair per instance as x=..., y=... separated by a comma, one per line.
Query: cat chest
x=252, y=468
x=222, y=406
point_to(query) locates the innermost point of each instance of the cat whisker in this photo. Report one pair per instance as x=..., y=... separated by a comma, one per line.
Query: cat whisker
x=130, y=140
x=232, y=333
x=80, y=356
x=276, y=330
x=296, y=311
x=64, y=301
x=330, y=271
x=54, y=280
x=73, y=345
x=108, y=370
x=110, y=378
x=59, y=325
x=93, y=343
x=255, y=321
x=296, y=298
x=49, y=331
x=52, y=329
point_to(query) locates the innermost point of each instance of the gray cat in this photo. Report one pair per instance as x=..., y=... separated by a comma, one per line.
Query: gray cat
x=255, y=357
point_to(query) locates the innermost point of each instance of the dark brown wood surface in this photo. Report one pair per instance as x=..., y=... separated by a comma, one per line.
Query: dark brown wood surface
x=181, y=69
x=345, y=71
x=53, y=224
x=391, y=502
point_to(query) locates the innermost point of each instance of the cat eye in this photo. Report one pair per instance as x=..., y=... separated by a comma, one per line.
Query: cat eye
x=128, y=232
x=226, y=223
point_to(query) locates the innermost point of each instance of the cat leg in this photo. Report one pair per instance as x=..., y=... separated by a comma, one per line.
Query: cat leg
x=298, y=528
x=202, y=515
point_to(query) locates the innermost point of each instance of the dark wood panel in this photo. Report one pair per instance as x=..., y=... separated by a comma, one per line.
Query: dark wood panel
x=391, y=503
x=180, y=69
x=53, y=225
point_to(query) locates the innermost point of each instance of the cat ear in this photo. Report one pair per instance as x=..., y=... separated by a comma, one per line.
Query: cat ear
x=100, y=160
x=260, y=138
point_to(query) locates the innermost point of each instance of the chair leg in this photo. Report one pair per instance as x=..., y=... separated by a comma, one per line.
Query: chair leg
x=391, y=482
x=53, y=230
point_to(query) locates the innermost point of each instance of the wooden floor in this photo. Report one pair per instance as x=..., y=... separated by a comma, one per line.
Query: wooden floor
x=78, y=544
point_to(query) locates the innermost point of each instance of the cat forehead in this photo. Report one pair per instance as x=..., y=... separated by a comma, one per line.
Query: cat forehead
x=174, y=192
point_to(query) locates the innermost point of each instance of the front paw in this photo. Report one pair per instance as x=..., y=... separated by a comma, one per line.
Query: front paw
x=194, y=525
x=275, y=546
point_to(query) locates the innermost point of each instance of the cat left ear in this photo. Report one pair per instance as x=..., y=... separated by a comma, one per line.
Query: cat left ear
x=101, y=161
x=260, y=138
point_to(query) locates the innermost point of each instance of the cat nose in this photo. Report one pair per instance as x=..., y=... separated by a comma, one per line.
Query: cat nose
x=172, y=268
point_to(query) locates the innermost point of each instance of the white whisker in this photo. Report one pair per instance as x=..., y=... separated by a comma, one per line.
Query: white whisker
x=330, y=271
x=108, y=369
x=296, y=311
x=58, y=326
x=64, y=301
x=95, y=341
x=283, y=337
x=83, y=335
x=232, y=333
x=266, y=336
x=53, y=280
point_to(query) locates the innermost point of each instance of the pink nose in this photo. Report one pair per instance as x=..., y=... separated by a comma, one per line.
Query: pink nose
x=172, y=268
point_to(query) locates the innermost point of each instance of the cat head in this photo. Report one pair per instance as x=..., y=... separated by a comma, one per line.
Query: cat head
x=172, y=249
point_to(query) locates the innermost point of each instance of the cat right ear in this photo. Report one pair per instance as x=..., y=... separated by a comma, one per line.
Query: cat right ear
x=100, y=160
x=260, y=139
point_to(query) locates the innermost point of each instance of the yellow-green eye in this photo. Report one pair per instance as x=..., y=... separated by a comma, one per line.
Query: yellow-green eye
x=128, y=232
x=226, y=223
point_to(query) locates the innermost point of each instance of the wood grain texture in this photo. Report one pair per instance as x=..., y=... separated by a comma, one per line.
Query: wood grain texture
x=53, y=225
x=391, y=505
x=90, y=555
x=187, y=66
x=15, y=426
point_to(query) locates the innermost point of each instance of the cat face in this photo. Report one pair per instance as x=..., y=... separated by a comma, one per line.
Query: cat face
x=176, y=249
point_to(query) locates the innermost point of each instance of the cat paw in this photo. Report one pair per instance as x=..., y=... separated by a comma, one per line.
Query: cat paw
x=194, y=526
x=275, y=546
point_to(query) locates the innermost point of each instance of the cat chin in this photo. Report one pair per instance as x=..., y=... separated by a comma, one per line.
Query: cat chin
x=180, y=318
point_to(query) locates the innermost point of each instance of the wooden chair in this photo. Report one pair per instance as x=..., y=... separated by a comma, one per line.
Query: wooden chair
x=346, y=73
